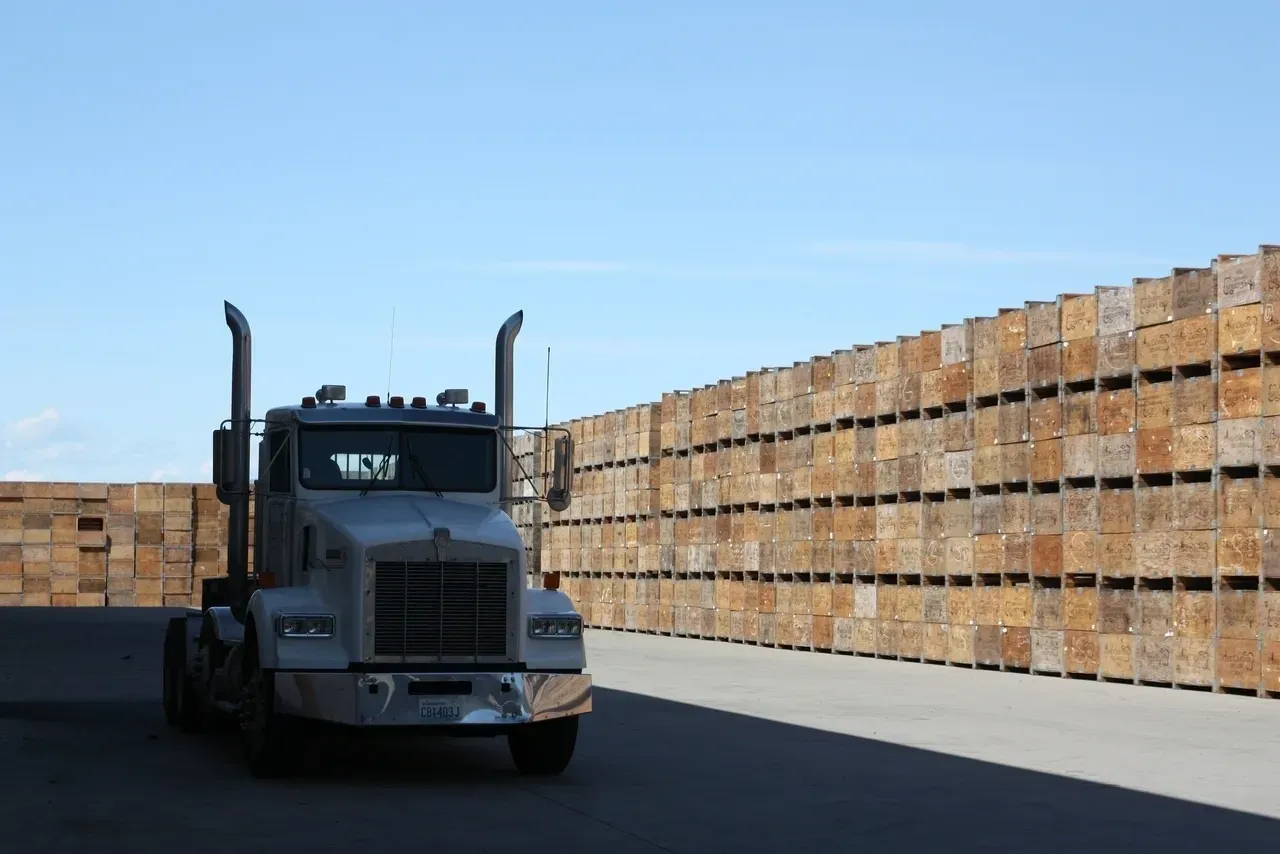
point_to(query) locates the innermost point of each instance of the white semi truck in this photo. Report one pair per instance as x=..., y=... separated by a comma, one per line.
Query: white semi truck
x=388, y=585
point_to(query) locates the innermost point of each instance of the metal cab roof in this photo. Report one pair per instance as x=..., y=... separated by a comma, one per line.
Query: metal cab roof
x=358, y=414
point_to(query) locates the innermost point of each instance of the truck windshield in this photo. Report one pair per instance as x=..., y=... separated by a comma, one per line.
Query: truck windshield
x=448, y=459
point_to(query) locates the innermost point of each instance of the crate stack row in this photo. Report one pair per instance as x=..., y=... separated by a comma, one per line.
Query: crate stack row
x=610, y=530
x=146, y=544
x=1084, y=487
x=526, y=486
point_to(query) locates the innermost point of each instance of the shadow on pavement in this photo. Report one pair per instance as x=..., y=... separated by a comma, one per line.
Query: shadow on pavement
x=87, y=760
x=773, y=786
x=690, y=779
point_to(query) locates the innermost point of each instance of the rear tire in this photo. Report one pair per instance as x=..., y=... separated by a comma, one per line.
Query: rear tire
x=182, y=705
x=544, y=748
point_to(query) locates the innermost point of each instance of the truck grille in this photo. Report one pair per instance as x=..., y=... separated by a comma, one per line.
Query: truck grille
x=430, y=609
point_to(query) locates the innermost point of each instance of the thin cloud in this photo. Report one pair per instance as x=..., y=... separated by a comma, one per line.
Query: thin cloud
x=171, y=471
x=964, y=253
x=647, y=348
x=24, y=475
x=564, y=266
x=56, y=450
x=586, y=268
x=33, y=428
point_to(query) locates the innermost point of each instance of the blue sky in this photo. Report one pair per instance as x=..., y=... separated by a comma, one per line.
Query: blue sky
x=673, y=192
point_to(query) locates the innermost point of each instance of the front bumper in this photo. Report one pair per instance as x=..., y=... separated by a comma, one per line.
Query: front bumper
x=432, y=699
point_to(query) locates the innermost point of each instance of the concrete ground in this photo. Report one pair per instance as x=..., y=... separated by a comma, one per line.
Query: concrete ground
x=693, y=747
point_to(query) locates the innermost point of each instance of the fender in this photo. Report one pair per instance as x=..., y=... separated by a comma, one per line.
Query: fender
x=551, y=653
x=222, y=626
x=540, y=601
x=276, y=653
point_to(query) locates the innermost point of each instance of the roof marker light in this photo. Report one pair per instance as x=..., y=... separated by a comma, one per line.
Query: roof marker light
x=478, y=406
x=397, y=401
x=419, y=403
x=308, y=402
x=372, y=400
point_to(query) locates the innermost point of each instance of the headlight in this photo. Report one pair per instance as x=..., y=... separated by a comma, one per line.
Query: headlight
x=306, y=626
x=559, y=626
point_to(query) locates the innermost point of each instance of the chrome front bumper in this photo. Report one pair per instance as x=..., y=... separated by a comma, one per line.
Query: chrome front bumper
x=432, y=699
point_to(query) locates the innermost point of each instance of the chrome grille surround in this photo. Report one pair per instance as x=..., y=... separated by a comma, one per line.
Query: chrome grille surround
x=463, y=610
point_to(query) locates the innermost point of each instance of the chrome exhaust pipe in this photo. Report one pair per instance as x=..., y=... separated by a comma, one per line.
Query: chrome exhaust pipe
x=241, y=408
x=504, y=401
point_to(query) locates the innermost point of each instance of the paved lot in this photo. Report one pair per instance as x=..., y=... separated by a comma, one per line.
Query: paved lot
x=694, y=747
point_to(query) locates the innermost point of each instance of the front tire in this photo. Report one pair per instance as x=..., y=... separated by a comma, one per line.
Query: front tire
x=544, y=748
x=269, y=738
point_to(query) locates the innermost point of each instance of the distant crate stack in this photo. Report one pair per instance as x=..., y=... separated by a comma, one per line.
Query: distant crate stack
x=145, y=544
x=1085, y=487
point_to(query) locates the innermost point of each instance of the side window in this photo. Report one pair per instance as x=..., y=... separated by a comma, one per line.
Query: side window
x=281, y=475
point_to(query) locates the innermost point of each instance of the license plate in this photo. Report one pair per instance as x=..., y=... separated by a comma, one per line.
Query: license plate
x=439, y=711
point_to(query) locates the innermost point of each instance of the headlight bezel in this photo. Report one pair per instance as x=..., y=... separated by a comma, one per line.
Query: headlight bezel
x=326, y=626
x=572, y=621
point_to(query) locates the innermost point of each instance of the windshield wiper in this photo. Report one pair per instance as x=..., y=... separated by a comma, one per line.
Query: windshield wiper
x=382, y=467
x=417, y=469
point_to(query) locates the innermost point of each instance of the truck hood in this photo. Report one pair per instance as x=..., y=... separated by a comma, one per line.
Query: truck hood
x=381, y=519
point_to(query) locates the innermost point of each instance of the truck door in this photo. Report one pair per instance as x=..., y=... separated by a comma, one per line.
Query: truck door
x=277, y=529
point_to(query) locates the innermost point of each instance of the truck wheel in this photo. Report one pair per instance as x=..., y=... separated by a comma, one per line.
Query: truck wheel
x=544, y=748
x=269, y=738
x=181, y=705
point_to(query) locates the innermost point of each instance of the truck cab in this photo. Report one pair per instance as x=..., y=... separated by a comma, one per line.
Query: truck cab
x=388, y=581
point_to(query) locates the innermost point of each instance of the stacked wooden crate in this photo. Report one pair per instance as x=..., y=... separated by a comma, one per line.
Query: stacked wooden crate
x=1082, y=487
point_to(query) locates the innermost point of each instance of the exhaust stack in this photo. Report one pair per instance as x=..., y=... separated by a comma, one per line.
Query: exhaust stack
x=504, y=399
x=241, y=383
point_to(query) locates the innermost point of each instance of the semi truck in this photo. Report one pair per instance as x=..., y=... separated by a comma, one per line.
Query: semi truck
x=388, y=585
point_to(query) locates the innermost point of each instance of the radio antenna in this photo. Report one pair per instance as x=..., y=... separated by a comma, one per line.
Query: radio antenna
x=546, y=412
x=391, y=356
x=546, y=419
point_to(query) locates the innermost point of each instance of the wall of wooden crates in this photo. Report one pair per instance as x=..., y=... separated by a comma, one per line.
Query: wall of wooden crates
x=109, y=544
x=1085, y=486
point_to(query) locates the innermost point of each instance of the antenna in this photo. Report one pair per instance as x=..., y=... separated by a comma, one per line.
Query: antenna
x=391, y=356
x=546, y=419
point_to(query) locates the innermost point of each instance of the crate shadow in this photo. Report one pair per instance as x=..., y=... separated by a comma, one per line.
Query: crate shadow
x=737, y=776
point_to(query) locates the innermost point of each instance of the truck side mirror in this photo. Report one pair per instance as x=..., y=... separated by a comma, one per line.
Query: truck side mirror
x=559, y=495
x=223, y=477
